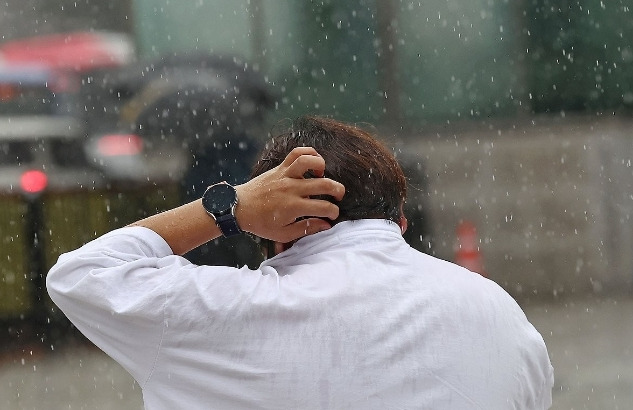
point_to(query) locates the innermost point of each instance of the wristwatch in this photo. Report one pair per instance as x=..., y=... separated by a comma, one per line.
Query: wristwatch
x=219, y=201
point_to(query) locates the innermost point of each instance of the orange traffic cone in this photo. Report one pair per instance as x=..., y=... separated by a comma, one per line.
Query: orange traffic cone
x=467, y=253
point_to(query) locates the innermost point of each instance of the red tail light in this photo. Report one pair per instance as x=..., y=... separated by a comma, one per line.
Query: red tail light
x=7, y=92
x=120, y=144
x=34, y=181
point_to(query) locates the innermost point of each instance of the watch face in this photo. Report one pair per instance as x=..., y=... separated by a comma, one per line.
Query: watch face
x=218, y=199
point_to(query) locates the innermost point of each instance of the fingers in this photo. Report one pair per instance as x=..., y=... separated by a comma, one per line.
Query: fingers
x=305, y=208
x=305, y=159
x=305, y=162
x=297, y=152
x=315, y=208
x=321, y=186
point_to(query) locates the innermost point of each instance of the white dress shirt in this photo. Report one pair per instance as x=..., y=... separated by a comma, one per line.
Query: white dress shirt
x=348, y=318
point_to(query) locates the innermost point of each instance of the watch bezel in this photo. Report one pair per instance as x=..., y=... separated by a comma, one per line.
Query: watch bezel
x=213, y=205
x=222, y=209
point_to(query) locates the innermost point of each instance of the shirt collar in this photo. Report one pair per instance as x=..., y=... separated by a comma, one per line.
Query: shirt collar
x=369, y=229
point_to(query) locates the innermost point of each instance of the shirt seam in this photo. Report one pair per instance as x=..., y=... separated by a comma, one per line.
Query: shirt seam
x=159, y=347
x=456, y=390
x=544, y=387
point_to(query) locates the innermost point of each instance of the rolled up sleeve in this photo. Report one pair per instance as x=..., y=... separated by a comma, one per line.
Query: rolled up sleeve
x=114, y=290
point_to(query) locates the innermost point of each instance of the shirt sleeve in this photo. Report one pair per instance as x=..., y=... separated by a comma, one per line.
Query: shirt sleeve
x=114, y=290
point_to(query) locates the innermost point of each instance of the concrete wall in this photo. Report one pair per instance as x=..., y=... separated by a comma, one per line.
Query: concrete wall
x=551, y=199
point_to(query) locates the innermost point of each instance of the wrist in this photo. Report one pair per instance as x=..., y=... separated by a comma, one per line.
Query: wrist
x=241, y=216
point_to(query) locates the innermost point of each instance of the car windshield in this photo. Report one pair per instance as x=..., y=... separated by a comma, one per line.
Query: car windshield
x=18, y=99
x=15, y=152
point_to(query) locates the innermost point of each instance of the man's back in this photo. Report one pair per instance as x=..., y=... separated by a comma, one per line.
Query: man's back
x=348, y=318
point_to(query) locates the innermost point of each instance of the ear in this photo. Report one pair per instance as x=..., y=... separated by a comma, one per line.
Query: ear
x=403, y=223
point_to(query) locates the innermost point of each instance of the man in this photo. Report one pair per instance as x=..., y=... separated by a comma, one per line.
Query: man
x=344, y=315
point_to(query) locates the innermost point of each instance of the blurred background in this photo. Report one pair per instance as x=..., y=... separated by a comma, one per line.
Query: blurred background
x=512, y=119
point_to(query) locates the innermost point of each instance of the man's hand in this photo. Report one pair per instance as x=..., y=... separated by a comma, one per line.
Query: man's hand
x=275, y=204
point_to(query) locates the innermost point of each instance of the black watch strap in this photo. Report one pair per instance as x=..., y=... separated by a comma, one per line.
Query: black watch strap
x=228, y=225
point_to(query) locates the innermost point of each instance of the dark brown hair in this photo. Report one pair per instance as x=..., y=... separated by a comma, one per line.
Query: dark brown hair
x=375, y=186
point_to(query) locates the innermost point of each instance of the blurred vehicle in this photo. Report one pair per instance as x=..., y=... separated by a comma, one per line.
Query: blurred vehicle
x=170, y=113
x=42, y=118
x=41, y=132
x=114, y=152
x=71, y=52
